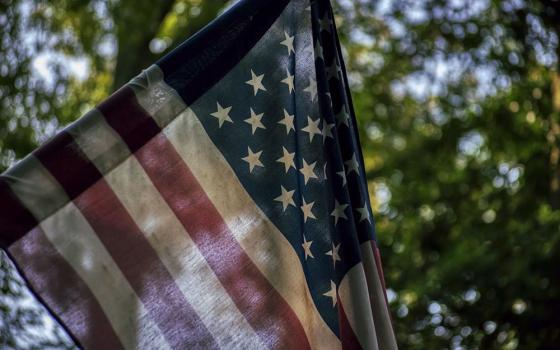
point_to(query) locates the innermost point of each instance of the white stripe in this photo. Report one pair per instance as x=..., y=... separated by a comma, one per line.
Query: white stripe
x=156, y=97
x=382, y=319
x=35, y=187
x=353, y=294
x=77, y=243
x=262, y=241
x=179, y=254
x=98, y=141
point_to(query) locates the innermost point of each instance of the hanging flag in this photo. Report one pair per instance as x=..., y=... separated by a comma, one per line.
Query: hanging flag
x=218, y=200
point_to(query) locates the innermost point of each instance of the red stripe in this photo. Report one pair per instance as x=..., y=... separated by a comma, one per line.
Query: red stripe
x=15, y=220
x=143, y=269
x=263, y=307
x=379, y=268
x=64, y=291
x=125, y=115
x=68, y=164
x=347, y=336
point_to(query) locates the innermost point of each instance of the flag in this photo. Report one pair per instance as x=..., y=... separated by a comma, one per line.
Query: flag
x=218, y=200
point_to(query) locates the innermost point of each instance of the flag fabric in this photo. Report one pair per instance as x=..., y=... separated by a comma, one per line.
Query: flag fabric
x=218, y=200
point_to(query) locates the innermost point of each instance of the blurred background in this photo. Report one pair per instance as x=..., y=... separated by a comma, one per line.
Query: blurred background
x=458, y=104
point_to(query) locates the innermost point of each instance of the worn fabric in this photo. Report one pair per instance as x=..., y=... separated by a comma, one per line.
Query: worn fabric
x=218, y=200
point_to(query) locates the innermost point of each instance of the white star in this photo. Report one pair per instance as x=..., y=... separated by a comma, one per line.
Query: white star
x=289, y=43
x=288, y=121
x=255, y=121
x=364, y=213
x=352, y=165
x=312, y=128
x=256, y=82
x=327, y=131
x=306, y=209
x=333, y=70
x=289, y=80
x=307, y=171
x=331, y=293
x=222, y=114
x=334, y=253
x=287, y=159
x=287, y=198
x=307, y=248
x=318, y=51
x=343, y=117
x=253, y=159
x=312, y=89
x=343, y=175
x=325, y=23
x=338, y=211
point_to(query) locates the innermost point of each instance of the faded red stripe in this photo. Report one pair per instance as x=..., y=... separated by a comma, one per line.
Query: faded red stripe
x=16, y=220
x=142, y=267
x=379, y=268
x=68, y=164
x=64, y=292
x=263, y=307
x=125, y=115
x=347, y=336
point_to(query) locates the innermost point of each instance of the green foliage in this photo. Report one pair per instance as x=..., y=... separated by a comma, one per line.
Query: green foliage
x=457, y=112
x=458, y=105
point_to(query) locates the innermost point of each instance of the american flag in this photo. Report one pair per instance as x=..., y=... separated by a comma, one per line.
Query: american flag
x=218, y=200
